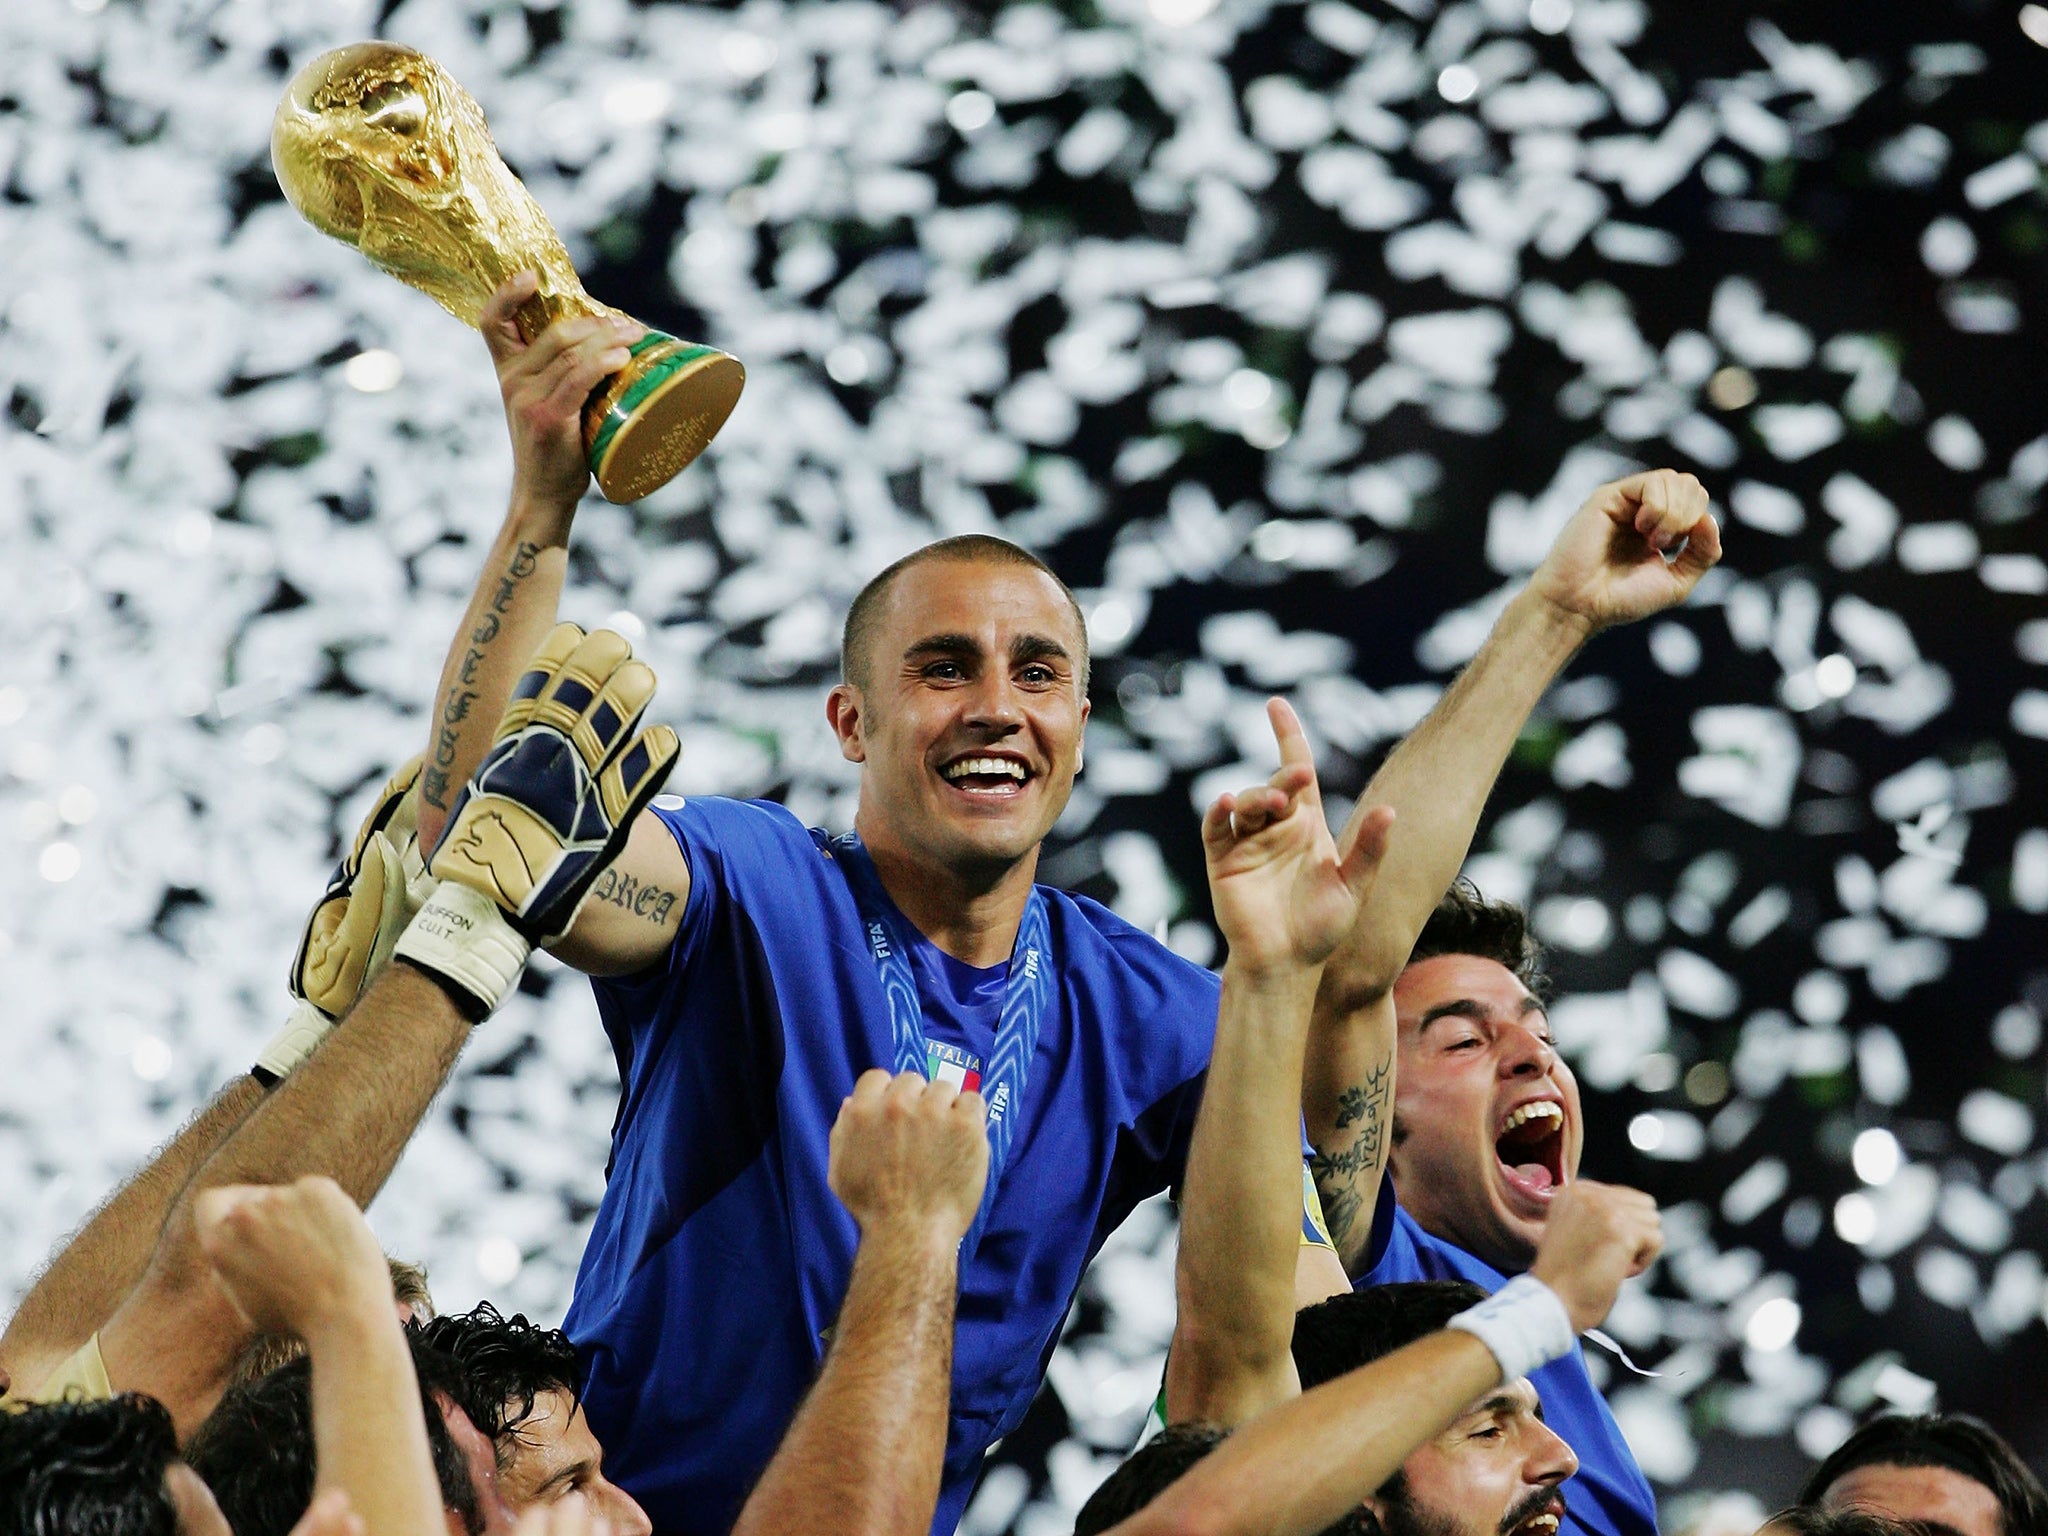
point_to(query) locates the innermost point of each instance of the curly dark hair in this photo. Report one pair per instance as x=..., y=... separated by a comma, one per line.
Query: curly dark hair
x=1160, y=1463
x=256, y=1450
x=1337, y=1336
x=1956, y=1441
x=1466, y=923
x=506, y=1363
x=87, y=1469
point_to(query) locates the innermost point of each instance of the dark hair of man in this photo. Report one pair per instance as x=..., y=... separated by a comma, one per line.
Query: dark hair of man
x=1146, y=1473
x=962, y=549
x=1466, y=923
x=1337, y=1336
x=256, y=1450
x=505, y=1364
x=1956, y=1441
x=1805, y=1520
x=87, y=1469
x=1156, y=1466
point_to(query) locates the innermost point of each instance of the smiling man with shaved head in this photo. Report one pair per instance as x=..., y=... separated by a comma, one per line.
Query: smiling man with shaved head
x=751, y=969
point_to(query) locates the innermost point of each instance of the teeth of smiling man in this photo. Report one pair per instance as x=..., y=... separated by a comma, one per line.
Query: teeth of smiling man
x=1543, y=1110
x=1538, y=1525
x=968, y=765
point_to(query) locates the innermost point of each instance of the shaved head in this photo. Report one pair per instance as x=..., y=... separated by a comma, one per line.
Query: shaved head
x=963, y=549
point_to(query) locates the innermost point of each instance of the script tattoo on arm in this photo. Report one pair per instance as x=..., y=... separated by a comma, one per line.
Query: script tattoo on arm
x=1339, y=1174
x=635, y=896
x=434, y=781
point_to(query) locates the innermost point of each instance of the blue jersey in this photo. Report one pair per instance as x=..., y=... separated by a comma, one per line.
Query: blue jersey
x=1608, y=1496
x=720, y=1257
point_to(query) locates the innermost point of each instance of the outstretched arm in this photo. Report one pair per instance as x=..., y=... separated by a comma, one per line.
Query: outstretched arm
x=348, y=937
x=347, y=1113
x=87, y=1279
x=864, y=1455
x=1306, y=1464
x=544, y=385
x=1284, y=895
x=1612, y=564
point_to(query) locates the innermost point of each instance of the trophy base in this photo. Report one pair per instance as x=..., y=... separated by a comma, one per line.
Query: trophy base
x=649, y=420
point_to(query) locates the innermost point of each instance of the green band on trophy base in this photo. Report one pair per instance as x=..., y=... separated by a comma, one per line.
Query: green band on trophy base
x=659, y=412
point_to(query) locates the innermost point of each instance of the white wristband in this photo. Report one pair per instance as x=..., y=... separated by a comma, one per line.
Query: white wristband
x=1523, y=1324
x=305, y=1029
x=461, y=935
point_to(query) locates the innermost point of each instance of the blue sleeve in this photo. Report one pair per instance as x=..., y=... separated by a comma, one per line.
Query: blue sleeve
x=740, y=854
x=1390, y=1252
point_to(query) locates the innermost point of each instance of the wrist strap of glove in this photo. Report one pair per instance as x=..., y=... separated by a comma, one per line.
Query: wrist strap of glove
x=460, y=935
x=305, y=1029
x=1523, y=1324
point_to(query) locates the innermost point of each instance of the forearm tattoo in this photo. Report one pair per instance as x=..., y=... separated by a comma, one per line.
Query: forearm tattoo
x=434, y=781
x=1340, y=1173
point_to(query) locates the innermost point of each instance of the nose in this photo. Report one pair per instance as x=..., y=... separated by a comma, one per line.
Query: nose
x=624, y=1512
x=1525, y=1052
x=995, y=702
x=1550, y=1461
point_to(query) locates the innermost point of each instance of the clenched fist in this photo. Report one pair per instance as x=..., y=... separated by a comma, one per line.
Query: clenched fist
x=294, y=1257
x=1635, y=548
x=1597, y=1236
x=910, y=1156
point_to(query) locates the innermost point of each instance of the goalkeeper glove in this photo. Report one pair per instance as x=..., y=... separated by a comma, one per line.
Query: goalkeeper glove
x=354, y=927
x=551, y=805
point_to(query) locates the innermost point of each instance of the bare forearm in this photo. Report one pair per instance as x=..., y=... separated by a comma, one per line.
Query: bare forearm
x=864, y=1455
x=367, y=1431
x=1241, y=1206
x=1438, y=780
x=1309, y=1462
x=509, y=616
x=347, y=1112
x=89, y=1275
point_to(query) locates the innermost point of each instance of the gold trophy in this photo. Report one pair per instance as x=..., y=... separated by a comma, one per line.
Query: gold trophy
x=376, y=145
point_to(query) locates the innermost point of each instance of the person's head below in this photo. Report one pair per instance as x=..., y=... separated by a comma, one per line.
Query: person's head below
x=256, y=1451
x=1805, y=1520
x=1495, y=1472
x=1946, y=1471
x=520, y=1388
x=1487, y=1120
x=109, y=1467
x=965, y=695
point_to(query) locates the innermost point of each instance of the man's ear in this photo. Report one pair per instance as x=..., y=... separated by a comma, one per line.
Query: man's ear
x=844, y=712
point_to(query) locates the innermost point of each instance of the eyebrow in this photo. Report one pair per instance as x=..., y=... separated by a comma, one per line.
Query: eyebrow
x=1469, y=1008
x=574, y=1470
x=1024, y=648
x=1509, y=1402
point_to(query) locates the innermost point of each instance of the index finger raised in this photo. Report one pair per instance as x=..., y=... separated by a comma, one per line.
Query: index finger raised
x=1287, y=731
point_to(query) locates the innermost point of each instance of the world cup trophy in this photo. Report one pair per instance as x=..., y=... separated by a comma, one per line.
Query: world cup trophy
x=376, y=145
